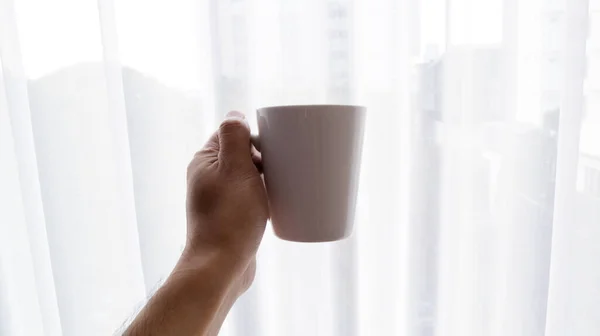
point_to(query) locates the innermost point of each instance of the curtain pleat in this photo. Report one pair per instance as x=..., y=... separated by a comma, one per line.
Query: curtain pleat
x=574, y=273
x=19, y=306
x=382, y=56
x=35, y=291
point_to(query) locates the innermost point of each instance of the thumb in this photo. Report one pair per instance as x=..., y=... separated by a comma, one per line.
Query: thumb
x=234, y=138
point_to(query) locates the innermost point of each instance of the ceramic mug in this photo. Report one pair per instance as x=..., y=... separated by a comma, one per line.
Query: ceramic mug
x=311, y=161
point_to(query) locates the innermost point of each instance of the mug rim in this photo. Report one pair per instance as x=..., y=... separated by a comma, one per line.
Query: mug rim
x=313, y=106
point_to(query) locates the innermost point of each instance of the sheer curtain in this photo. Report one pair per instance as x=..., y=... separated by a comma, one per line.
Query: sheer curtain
x=479, y=203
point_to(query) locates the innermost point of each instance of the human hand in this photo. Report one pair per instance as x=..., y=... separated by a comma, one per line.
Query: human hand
x=227, y=210
x=227, y=206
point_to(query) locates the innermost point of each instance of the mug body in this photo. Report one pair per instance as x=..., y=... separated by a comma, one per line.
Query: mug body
x=311, y=158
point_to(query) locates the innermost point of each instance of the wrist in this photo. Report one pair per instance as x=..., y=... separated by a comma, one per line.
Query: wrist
x=215, y=270
x=191, y=299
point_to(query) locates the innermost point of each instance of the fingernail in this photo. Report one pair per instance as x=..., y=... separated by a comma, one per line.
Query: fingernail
x=235, y=115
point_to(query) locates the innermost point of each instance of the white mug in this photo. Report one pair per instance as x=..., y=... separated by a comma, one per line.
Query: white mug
x=311, y=160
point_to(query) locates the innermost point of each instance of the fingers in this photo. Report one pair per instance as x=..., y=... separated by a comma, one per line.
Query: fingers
x=256, y=159
x=234, y=139
x=255, y=141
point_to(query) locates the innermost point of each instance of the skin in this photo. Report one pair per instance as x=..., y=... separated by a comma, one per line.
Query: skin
x=227, y=210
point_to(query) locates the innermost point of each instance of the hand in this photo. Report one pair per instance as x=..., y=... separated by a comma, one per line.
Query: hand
x=227, y=210
x=227, y=206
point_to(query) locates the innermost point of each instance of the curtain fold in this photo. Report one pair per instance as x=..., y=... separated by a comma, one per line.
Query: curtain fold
x=479, y=203
x=572, y=272
x=25, y=218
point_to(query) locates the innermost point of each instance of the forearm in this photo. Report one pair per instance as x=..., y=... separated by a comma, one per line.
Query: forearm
x=192, y=300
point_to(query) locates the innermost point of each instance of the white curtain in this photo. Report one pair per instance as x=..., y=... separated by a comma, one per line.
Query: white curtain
x=479, y=204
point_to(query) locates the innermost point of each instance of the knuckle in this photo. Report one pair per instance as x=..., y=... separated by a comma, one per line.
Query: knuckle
x=232, y=126
x=198, y=160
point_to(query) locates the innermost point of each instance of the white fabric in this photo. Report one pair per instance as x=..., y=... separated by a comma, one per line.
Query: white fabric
x=479, y=204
